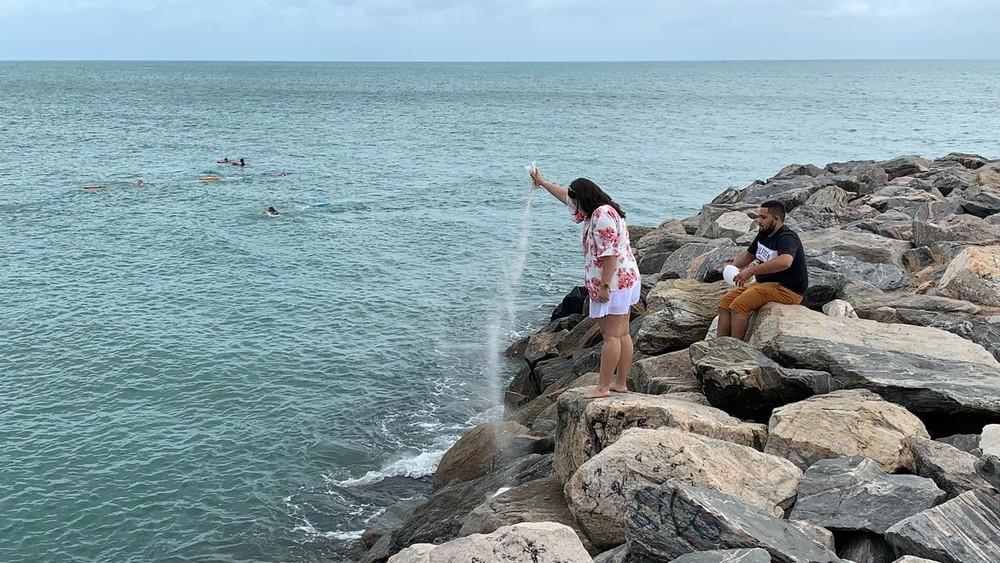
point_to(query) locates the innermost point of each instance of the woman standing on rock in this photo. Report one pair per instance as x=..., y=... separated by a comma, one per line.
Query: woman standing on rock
x=611, y=274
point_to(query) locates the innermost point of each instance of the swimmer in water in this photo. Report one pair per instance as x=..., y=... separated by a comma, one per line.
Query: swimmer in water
x=281, y=173
x=225, y=160
x=241, y=164
x=139, y=183
x=272, y=212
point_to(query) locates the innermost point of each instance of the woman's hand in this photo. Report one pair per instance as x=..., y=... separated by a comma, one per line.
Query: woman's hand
x=604, y=295
x=536, y=177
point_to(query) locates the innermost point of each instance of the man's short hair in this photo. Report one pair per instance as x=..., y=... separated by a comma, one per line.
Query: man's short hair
x=775, y=207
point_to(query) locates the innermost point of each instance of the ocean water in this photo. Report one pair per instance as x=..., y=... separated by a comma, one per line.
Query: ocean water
x=186, y=379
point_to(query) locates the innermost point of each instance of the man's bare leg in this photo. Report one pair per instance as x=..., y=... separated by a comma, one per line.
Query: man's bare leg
x=739, y=325
x=725, y=323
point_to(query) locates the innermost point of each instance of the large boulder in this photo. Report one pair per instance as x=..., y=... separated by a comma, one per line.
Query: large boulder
x=747, y=555
x=572, y=303
x=853, y=493
x=440, y=518
x=855, y=422
x=792, y=191
x=672, y=372
x=891, y=224
x=678, y=313
x=966, y=529
x=886, y=277
x=536, y=501
x=905, y=166
x=731, y=225
x=988, y=466
x=929, y=371
x=861, y=546
x=988, y=174
x=677, y=518
x=654, y=248
x=480, y=450
x=830, y=197
x=952, y=469
x=710, y=265
x=866, y=247
x=539, y=542
x=684, y=262
x=974, y=275
x=970, y=161
x=390, y=520
x=981, y=201
x=588, y=426
x=741, y=380
x=602, y=488
x=967, y=229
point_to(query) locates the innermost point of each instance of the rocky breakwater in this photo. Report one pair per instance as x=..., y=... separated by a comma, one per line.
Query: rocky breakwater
x=863, y=425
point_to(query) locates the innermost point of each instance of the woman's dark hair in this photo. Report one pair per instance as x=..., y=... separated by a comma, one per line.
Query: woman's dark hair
x=589, y=196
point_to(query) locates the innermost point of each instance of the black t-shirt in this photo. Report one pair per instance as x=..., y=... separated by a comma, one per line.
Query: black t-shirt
x=769, y=247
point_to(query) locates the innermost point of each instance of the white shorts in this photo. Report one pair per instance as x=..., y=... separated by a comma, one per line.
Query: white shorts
x=619, y=302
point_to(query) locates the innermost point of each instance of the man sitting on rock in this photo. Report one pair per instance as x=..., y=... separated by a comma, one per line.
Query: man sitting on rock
x=780, y=273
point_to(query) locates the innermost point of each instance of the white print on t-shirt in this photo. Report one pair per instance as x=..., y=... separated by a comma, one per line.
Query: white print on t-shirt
x=765, y=254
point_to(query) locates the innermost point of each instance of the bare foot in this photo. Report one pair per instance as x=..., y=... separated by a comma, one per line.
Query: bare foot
x=596, y=394
x=618, y=389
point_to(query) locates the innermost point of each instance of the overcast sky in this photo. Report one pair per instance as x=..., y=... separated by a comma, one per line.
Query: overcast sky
x=498, y=30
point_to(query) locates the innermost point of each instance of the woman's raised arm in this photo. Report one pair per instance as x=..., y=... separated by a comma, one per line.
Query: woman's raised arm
x=556, y=190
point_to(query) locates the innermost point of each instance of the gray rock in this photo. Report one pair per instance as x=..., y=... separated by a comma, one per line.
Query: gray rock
x=869, y=548
x=981, y=201
x=792, y=191
x=951, y=181
x=390, y=520
x=886, y=277
x=892, y=224
x=830, y=197
x=654, y=248
x=726, y=221
x=754, y=555
x=984, y=331
x=964, y=228
x=552, y=370
x=974, y=276
x=968, y=443
x=743, y=381
x=988, y=467
x=866, y=247
x=905, y=166
x=824, y=286
x=927, y=370
x=970, y=161
x=711, y=266
x=965, y=529
x=675, y=519
x=616, y=555
x=854, y=494
x=572, y=303
x=440, y=518
x=798, y=170
x=912, y=559
x=678, y=314
x=952, y=469
x=934, y=211
x=812, y=218
x=667, y=373
x=541, y=500
x=916, y=259
x=682, y=262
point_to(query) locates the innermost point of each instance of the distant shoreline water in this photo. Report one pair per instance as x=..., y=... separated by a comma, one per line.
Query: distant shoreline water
x=182, y=367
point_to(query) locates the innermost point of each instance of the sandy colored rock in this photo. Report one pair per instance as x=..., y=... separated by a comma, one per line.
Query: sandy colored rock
x=588, y=426
x=678, y=314
x=974, y=275
x=600, y=491
x=538, y=542
x=854, y=422
x=476, y=452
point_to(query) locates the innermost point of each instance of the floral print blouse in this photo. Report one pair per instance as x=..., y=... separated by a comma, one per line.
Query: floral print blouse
x=605, y=234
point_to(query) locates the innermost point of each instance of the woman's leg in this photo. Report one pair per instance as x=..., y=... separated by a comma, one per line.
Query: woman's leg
x=625, y=359
x=610, y=353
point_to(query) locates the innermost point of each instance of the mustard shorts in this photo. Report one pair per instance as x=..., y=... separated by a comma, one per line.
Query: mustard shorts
x=747, y=299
